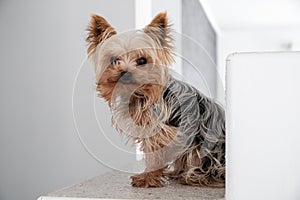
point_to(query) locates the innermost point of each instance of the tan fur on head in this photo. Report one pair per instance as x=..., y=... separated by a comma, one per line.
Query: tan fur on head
x=152, y=43
x=99, y=30
x=159, y=29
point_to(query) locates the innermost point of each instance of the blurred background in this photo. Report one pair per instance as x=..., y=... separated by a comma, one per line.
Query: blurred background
x=42, y=47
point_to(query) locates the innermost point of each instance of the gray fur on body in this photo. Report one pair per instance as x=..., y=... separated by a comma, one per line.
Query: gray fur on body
x=203, y=121
x=197, y=152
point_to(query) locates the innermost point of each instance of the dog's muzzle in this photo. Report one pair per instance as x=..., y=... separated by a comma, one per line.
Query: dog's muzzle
x=126, y=77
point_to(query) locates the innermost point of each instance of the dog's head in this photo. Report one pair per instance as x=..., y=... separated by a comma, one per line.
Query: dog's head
x=135, y=61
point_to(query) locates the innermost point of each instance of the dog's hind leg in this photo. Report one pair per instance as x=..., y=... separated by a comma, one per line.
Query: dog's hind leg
x=192, y=169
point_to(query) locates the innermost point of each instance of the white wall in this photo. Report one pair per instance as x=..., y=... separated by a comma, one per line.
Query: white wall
x=200, y=51
x=42, y=46
x=255, y=39
x=196, y=25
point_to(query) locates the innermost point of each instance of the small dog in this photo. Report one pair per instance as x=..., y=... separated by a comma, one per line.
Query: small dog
x=180, y=131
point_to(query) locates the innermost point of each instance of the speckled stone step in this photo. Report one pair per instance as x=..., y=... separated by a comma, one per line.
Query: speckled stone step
x=116, y=185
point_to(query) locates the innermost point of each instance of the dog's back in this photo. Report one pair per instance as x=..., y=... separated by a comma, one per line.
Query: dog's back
x=203, y=121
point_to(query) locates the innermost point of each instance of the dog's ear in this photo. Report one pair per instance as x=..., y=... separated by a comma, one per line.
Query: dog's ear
x=159, y=28
x=99, y=30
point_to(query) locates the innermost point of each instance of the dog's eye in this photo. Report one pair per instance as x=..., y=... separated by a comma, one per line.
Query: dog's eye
x=141, y=61
x=113, y=60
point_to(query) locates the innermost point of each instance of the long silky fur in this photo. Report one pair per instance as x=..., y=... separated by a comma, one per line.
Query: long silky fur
x=194, y=148
x=181, y=131
x=203, y=121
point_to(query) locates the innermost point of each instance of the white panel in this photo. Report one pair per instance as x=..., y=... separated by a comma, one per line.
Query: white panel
x=255, y=40
x=263, y=133
x=142, y=13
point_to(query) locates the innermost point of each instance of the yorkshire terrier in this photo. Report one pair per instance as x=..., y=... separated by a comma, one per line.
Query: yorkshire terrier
x=180, y=130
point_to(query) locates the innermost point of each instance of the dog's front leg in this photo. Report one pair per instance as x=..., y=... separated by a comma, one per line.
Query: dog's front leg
x=156, y=149
x=153, y=174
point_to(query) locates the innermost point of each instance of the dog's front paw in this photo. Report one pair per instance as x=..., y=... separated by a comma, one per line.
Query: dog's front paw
x=147, y=179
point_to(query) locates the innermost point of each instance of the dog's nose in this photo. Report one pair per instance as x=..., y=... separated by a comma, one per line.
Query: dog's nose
x=126, y=77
